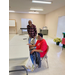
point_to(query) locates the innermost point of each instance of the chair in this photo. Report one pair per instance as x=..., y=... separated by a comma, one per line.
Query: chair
x=45, y=57
x=63, y=42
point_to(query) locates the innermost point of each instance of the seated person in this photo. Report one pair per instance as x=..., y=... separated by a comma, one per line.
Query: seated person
x=41, y=47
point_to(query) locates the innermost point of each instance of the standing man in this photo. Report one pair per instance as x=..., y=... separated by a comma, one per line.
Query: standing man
x=32, y=32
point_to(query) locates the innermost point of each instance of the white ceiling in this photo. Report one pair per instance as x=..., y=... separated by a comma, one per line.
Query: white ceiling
x=21, y=6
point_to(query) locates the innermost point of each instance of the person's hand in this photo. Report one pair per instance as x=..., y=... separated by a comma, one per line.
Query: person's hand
x=32, y=51
x=34, y=37
x=29, y=45
x=29, y=35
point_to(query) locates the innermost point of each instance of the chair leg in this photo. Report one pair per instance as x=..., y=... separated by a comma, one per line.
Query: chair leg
x=47, y=63
x=45, y=58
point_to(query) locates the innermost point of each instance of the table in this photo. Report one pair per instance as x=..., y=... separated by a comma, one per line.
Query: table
x=18, y=52
x=23, y=29
x=44, y=31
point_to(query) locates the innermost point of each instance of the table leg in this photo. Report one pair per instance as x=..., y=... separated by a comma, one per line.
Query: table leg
x=17, y=70
x=22, y=31
x=20, y=70
x=25, y=70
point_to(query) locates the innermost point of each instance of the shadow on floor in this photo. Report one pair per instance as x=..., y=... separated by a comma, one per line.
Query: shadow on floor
x=43, y=67
x=17, y=72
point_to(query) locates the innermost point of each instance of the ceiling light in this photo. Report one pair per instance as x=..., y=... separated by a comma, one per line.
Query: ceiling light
x=34, y=12
x=44, y=2
x=36, y=9
x=11, y=11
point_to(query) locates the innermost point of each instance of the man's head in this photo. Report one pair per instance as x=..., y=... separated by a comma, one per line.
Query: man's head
x=40, y=36
x=30, y=22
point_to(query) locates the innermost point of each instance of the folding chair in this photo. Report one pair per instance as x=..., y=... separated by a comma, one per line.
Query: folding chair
x=45, y=57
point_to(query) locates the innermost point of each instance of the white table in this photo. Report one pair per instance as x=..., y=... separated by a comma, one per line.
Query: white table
x=18, y=50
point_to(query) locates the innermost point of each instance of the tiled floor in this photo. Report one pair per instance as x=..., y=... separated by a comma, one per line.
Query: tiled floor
x=56, y=60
